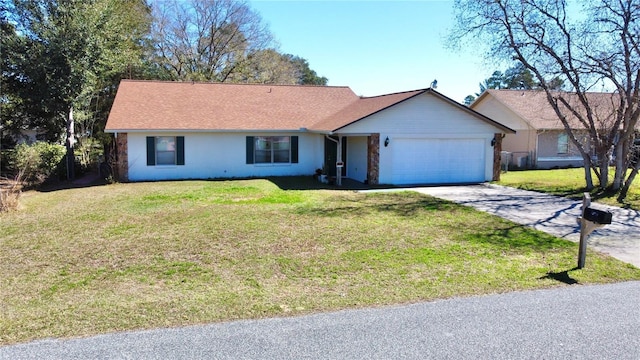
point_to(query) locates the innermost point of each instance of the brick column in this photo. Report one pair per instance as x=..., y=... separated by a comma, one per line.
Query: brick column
x=497, y=149
x=373, y=159
x=122, y=159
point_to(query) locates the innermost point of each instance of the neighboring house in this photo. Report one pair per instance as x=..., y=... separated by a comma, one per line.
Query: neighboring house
x=540, y=140
x=183, y=130
x=25, y=136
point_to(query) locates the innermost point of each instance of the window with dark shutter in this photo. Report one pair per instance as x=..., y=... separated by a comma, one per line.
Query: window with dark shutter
x=250, y=149
x=294, y=149
x=151, y=150
x=165, y=150
x=180, y=150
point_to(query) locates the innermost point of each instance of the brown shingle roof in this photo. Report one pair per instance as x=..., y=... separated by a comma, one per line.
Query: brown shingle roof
x=157, y=105
x=533, y=106
x=142, y=105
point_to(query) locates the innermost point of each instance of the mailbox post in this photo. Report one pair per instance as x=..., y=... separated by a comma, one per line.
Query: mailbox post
x=590, y=220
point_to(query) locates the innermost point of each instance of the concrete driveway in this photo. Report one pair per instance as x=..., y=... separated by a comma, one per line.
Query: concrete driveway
x=552, y=214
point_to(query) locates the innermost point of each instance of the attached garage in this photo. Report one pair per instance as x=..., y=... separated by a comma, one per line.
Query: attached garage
x=437, y=161
x=427, y=138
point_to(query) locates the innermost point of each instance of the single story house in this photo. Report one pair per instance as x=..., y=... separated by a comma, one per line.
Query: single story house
x=184, y=130
x=541, y=140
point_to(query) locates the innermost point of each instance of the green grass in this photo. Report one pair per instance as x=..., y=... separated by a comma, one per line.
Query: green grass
x=85, y=261
x=569, y=183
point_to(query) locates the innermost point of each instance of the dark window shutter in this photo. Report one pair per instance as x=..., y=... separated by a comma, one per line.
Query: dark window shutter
x=294, y=149
x=250, y=149
x=151, y=150
x=179, y=150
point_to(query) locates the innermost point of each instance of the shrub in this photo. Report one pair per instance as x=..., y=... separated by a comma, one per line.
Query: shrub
x=88, y=152
x=38, y=162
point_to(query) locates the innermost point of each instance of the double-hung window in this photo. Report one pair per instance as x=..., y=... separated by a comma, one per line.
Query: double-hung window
x=165, y=150
x=563, y=143
x=272, y=149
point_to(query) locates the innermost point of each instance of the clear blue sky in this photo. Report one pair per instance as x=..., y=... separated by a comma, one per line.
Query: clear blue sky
x=377, y=47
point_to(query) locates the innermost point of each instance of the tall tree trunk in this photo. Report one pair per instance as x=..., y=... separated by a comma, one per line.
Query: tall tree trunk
x=587, y=172
x=69, y=144
x=604, y=173
x=627, y=184
x=621, y=165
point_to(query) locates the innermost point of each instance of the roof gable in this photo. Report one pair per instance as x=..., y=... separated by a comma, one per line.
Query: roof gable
x=411, y=108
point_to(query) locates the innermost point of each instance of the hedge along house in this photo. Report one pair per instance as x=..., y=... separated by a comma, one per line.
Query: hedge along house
x=182, y=130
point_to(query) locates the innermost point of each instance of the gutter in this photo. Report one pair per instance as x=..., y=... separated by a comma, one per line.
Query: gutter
x=300, y=130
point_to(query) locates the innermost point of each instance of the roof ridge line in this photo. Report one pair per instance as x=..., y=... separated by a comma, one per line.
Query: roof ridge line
x=230, y=84
x=393, y=93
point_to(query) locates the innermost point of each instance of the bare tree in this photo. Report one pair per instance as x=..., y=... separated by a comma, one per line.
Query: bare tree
x=598, y=52
x=206, y=40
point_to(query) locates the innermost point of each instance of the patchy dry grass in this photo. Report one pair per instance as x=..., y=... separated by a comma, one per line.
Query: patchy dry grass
x=131, y=256
x=10, y=192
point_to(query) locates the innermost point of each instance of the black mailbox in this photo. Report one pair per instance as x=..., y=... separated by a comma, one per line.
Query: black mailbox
x=597, y=216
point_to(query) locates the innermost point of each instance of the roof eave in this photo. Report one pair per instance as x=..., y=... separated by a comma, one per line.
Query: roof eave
x=300, y=130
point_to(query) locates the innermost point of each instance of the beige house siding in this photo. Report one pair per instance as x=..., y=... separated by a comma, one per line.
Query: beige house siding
x=535, y=144
x=519, y=148
x=495, y=110
x=548, y=155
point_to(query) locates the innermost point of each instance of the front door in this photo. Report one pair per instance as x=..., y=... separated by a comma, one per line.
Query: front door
x=331, y=156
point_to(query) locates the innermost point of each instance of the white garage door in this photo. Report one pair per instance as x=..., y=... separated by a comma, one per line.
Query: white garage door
x=438, y=161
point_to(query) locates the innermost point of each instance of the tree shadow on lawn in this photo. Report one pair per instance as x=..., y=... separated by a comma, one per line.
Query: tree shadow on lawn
x=91, y=179
x=312, y=183
x=562, y=277
x=510, y=235
x=399, y=203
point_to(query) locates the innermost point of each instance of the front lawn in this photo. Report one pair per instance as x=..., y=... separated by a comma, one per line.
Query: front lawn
x=569, y=183
x=118, y=257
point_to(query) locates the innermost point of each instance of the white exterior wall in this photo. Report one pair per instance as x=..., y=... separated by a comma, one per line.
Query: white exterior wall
x=357, y=158
x=424, y=117
x=220, y=155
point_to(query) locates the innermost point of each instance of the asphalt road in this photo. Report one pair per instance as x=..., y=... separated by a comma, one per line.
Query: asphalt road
x=576, y=322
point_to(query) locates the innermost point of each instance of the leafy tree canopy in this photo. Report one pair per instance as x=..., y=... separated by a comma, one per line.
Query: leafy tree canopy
x=515, y=77
x=62, y=60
